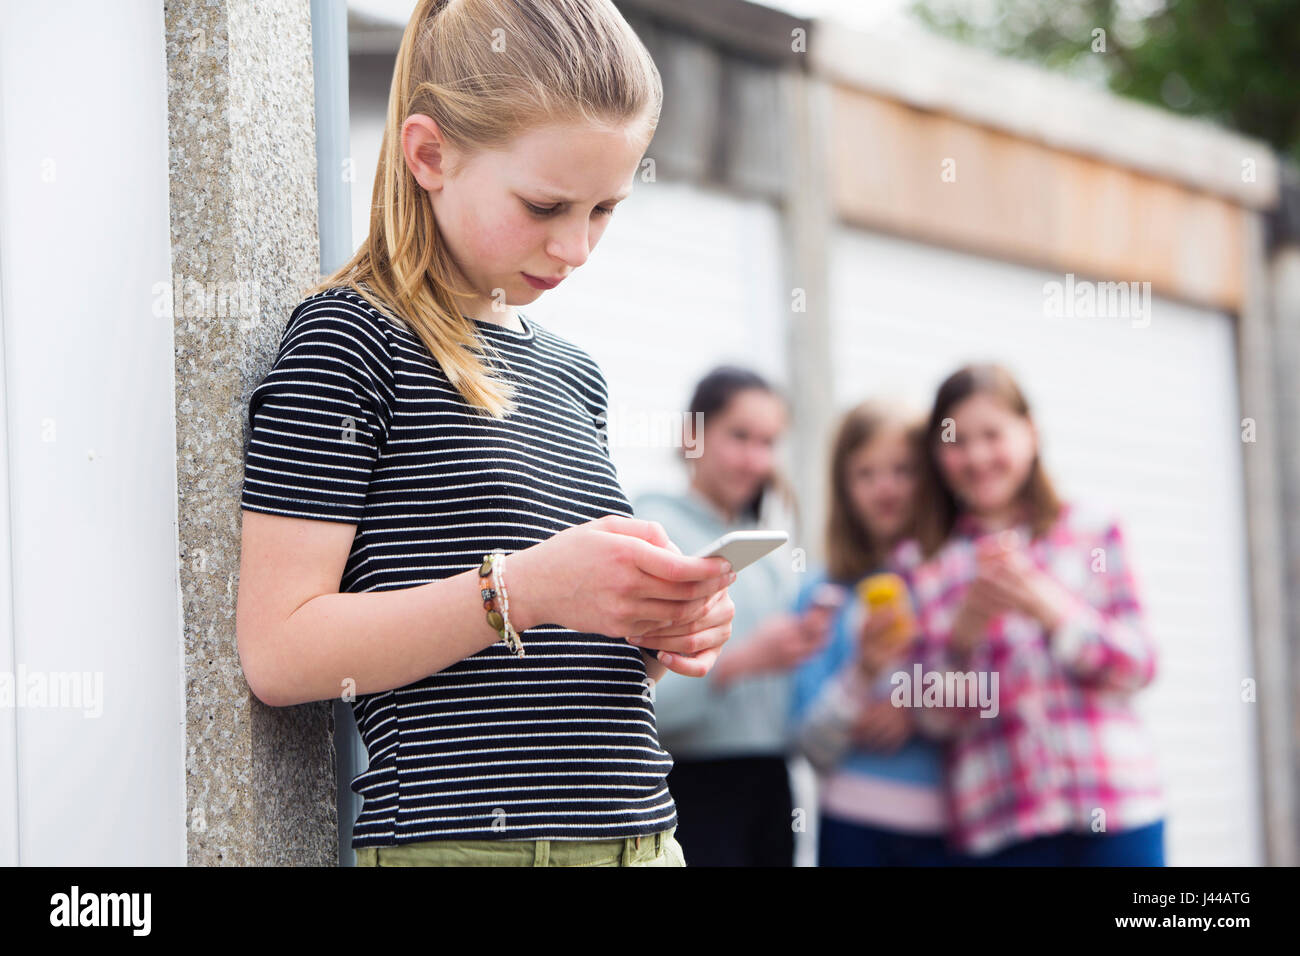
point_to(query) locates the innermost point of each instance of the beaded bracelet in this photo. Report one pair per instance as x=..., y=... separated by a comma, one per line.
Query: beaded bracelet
x=494, y=563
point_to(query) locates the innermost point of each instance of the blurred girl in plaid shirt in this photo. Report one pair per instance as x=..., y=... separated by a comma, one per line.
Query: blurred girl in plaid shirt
x=1014, y=582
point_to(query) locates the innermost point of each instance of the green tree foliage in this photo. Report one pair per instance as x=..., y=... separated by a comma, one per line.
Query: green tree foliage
x=1236, y=62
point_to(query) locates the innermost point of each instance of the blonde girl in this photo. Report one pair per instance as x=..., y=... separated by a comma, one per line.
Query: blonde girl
x=432, y=523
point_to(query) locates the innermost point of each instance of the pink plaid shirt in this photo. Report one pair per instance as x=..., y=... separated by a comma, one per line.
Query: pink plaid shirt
x=1066, y=750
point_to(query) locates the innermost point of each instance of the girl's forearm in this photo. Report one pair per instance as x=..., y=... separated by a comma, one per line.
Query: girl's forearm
x=730, y=666
x=823, y=735
x=364, y=643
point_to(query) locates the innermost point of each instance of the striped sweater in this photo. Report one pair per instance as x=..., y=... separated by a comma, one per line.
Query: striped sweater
x=356, y=423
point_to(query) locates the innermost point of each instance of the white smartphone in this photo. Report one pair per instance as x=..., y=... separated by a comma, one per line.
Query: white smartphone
x=743, y=548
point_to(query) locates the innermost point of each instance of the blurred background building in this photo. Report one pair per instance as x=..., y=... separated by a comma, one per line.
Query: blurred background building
x=842, y=199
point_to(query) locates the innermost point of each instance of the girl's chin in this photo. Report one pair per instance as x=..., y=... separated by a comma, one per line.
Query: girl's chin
x=888, y=528
x=743, y=497
x=981, y=500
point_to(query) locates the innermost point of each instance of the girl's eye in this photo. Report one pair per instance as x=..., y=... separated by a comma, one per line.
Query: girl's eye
x=544, y=212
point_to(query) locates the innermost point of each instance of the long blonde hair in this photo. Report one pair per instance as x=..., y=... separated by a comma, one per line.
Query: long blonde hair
x=485, y=71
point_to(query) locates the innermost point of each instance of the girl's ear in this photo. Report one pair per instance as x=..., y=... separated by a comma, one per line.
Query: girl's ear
x=422, y=148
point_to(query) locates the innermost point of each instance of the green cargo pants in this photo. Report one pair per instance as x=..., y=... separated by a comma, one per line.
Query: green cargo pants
x=658, y=849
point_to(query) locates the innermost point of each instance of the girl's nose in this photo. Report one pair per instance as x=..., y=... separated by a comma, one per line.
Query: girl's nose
x=572, y=245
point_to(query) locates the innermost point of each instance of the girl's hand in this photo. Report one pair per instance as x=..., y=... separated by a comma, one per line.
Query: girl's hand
x=616, y=575
x=874, y=651
x=881, y=726
x=692, y=648
x=790, y=639
x=815, y=622
x=983, y=601
x=1021, y=584
x=782, y=642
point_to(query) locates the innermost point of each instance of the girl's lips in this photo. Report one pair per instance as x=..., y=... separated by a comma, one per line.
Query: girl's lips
x=538, y=283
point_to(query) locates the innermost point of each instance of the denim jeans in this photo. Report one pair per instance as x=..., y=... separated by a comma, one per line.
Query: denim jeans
x=1139, y=846
x=845, y=843
x=657, y=849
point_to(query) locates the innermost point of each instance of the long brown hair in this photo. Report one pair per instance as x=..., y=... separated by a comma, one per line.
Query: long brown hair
x=485, y=71
x=937, y=508
x=851, y=549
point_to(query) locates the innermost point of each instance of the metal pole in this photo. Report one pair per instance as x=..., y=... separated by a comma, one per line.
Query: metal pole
x=329, y=43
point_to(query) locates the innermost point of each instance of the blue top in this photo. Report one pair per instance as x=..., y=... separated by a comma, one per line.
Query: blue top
x=919, y=761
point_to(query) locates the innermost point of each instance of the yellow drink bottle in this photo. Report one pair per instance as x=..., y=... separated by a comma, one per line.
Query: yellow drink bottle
x=889, y=590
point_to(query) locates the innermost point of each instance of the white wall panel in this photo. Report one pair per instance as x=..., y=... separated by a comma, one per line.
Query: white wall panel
x=90, y=434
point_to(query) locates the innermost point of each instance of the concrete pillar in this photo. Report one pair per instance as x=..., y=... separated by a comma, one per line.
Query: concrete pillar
x=259, y=781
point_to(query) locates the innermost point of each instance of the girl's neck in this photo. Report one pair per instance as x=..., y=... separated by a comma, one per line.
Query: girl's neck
x=885, y=544
x=486, y=309
x=507, y=319
x=723, y=512
x=1000, y=519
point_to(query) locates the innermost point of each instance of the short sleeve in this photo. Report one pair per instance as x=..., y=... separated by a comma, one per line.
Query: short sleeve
x=320, y=416
x=599, y=406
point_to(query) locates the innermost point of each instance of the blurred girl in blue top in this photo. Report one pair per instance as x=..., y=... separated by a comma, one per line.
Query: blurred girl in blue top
x=880, y=786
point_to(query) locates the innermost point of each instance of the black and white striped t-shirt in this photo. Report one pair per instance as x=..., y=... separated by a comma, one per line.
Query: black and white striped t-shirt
x=356, y=422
